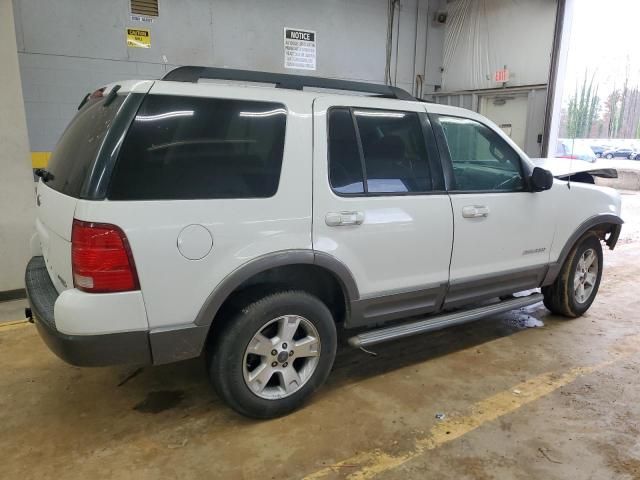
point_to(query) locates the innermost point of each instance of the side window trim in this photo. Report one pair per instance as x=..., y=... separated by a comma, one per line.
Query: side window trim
x=438, y=181
x=365, y=181
x=444, y=154
x=433, y=157
x=447, y=162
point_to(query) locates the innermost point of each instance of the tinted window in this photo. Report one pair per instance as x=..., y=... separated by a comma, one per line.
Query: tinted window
x=481, y=159
x=395, y=152
x=345, y=167
x=190, y=147
x=79, y=145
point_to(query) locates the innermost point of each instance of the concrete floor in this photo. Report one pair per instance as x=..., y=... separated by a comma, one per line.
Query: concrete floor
x=555, y=402
x=12, y=310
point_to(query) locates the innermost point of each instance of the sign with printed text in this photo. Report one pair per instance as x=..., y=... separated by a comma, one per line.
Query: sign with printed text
x=138, y=38
x=140, y=18
x=502, y=76
x=299, y=49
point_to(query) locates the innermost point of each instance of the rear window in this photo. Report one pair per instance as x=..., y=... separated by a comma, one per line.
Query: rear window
x=190, y=147
x=79, y=145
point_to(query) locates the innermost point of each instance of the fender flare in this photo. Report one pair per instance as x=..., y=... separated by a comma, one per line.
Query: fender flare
x=266, y=262
x=584, y=227
x=174, y=344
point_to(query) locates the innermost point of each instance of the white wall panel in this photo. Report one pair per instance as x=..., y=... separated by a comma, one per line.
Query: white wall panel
x=68, y=48
x=484, y=35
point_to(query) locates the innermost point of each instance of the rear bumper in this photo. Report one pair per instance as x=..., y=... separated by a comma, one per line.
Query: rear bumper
x=81, y=350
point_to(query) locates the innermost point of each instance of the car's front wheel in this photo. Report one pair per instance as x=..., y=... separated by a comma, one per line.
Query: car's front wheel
x=273, y=354
x=609, y=156
x=576, y=287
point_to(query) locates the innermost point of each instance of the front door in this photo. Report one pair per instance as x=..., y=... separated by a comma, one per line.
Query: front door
x=503, y=232
x=379, y=205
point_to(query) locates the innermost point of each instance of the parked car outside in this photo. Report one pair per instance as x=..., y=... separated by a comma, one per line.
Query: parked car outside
x=574, y=149
x=623, y=152
x=597, y=150
x=180, y=218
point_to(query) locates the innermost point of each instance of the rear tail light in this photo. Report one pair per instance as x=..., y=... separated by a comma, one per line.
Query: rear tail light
x=101, y=258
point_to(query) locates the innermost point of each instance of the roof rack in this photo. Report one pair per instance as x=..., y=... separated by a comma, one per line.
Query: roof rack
x=282, y=80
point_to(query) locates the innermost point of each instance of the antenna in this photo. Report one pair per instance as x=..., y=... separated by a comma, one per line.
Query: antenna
x=573, y=146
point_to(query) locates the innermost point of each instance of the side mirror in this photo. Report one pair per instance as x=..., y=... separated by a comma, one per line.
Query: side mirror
x=541, y=179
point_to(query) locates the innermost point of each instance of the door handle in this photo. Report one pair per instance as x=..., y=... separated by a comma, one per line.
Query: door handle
x=340, y=219
x=475, y=211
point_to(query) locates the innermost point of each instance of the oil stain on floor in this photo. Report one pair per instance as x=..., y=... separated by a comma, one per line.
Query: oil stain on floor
x=159, y=401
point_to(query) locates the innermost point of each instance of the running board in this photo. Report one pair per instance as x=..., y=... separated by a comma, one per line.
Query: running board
x=380, y=335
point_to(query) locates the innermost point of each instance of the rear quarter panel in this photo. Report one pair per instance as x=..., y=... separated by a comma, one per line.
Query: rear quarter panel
x=175, y=288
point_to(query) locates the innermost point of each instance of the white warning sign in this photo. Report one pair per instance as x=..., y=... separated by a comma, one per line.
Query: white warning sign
x=299, y=49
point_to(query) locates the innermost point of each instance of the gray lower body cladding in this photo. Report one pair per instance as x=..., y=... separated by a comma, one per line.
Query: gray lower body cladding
x=440, y=321
x=80, y=350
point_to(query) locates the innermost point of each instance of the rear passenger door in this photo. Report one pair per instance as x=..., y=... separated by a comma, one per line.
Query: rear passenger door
x=379, y=204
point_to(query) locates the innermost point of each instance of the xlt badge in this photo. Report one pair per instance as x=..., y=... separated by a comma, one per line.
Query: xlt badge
x=533, y=250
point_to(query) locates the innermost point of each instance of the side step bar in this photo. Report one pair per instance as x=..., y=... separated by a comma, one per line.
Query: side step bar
x=430, y=324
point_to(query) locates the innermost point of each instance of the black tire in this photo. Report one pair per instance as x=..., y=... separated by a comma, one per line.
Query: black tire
x=609, y=156
x=559, y=297
x=226, y=352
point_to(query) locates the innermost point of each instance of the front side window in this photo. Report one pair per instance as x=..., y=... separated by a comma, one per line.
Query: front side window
x=201, y=148
x=381, y=152
x=482, y=160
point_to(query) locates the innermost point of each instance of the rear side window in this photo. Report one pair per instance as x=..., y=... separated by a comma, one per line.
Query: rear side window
x=377, y=152
x=191, y=147
x=80, y=143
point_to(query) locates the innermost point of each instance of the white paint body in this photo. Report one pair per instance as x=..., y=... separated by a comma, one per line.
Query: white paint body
x=404, y=242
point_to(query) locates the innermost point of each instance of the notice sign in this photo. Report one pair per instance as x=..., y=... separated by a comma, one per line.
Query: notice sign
x=299, y=49
x=138, y=38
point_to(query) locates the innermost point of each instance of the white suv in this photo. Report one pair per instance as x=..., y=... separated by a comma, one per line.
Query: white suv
x=248, y=223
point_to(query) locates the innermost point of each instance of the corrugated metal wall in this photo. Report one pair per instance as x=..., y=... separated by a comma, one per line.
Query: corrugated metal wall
x=68, y=48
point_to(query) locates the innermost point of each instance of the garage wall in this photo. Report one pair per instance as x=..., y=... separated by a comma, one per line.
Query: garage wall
x=484, y=35
x=16, y=183
x=68, y=48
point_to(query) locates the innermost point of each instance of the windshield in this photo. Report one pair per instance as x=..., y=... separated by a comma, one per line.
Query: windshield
x=79, y=145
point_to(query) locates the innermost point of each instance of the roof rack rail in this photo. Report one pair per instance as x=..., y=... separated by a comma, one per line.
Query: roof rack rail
x=283, y=80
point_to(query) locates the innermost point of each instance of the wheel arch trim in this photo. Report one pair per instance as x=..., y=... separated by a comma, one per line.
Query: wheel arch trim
x=266, y=262
x=601, y=219
x=182, y=342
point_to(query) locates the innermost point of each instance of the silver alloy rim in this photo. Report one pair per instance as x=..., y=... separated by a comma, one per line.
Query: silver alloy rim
x=584, y=279
x=281, y=357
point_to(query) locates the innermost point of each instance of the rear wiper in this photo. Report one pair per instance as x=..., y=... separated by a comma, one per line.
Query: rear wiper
x=44, y=174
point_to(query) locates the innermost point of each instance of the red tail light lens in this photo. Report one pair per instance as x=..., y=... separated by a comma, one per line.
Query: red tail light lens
x=101, y=258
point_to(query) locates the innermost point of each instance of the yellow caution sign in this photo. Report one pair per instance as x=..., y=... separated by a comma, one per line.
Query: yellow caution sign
x=138, y=38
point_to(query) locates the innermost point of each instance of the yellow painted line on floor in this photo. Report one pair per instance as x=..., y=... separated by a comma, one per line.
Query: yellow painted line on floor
x=40, y=159
x=4, y=326
x=375, y=462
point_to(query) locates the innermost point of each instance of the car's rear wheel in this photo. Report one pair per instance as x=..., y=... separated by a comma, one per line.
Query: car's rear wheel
x=576, y=287
x=273, y=354
x=609, y=156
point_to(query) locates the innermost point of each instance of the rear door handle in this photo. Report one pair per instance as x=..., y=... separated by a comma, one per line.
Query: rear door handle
x=475, y=211
x=340, y=219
